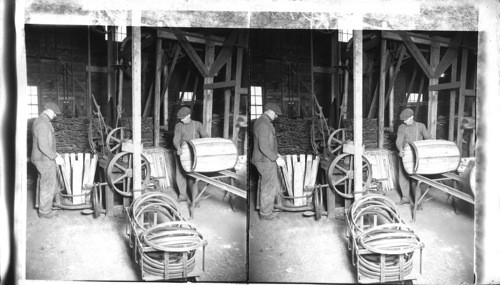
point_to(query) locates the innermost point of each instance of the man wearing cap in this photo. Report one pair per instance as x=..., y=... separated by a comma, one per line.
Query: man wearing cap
x=185, y=130
x=45, y=158
x=266, y=159
x=408, y=132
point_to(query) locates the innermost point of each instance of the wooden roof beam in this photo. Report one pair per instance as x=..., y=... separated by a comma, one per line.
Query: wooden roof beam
x=422, y=62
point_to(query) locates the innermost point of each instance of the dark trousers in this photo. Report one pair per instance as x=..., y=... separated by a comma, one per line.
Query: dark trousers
x=48, y=184
x=269, y=186
x=406, y=183
x=181, y=179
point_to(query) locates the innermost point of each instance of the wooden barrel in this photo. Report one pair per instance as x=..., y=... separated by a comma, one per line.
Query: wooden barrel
x=208, y=155
x=431, y=157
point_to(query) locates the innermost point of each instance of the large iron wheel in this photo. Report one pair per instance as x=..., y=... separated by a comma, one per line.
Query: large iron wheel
x=337, y=139
x=119, y=173
x=115, y=139
x=341, y=175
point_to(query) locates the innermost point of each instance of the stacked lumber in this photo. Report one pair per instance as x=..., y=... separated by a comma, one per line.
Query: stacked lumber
x=370, y=134
x=162, y=165
x=147, y=134
x=384, y=167
x=293, y=135
x=77, y=174
x=300, y=173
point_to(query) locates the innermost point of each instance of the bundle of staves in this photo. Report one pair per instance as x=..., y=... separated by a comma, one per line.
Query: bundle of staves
x=77, y=174
x=299, y=176
x=293, y=135
x=162, y=165
x=384, y=167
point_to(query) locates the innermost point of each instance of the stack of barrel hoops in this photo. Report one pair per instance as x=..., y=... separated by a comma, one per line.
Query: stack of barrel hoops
x=163, y=242
x=383, y=248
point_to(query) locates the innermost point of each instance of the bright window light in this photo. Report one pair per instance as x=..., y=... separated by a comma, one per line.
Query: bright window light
x=188, y=96
x=345, y=35
x=120, y=34
x=413, y=97
x=32, y=102
x=255, y=102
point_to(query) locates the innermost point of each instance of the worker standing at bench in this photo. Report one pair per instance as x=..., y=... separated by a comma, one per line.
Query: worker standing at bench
x=185, y=130
x=409, y=131
x=266, y=159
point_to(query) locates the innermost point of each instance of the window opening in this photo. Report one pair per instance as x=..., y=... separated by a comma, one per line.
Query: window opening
x=32, y=102
x=255, y=102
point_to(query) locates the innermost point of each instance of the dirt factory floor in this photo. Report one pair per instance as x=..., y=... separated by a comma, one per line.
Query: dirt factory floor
x=73, y=246
x=299, y=249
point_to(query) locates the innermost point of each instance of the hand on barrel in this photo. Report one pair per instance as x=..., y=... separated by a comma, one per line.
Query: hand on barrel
x=179, y=151
x=280, y=161
x=402, y=153
x=59, y=160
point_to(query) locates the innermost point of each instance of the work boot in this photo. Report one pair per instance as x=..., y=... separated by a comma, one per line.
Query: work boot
x=404, y=200
x=182, y=198
x=49, y=215
x=271, y=217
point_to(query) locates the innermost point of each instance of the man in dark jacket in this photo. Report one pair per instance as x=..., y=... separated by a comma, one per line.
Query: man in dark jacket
x=185, y=130
x=266, y=159
x=45, y=158
x=409, y=131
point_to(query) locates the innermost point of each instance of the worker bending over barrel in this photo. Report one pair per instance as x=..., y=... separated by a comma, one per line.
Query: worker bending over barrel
x=266, y=159
x=408, y=132
x=185, y=130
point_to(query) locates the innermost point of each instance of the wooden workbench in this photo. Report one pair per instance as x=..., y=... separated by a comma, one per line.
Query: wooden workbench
x=436, y=181
x=214, y=178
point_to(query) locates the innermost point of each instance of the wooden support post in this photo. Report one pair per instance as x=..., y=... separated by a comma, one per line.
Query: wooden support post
x=156, y=116
x=381, y=94
x=208, y=94
x=89, y=78
x=119, y=101
x=227, y=100
x=21, y=182
x=239, y=68
x=168, y=72
x=410, y=87
x=334, y=76
x=392, y=77
x=165, y=100
x=453, y=98
x=420, y=93
x=311, y=52
x=136, y=104
x=195, y=88
x=432, y=106
x=147, y=106
x=371, y=113
x=461, y=97
x=109, y=58
x=358, y=112
x=184, y=85
x=346, y=95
